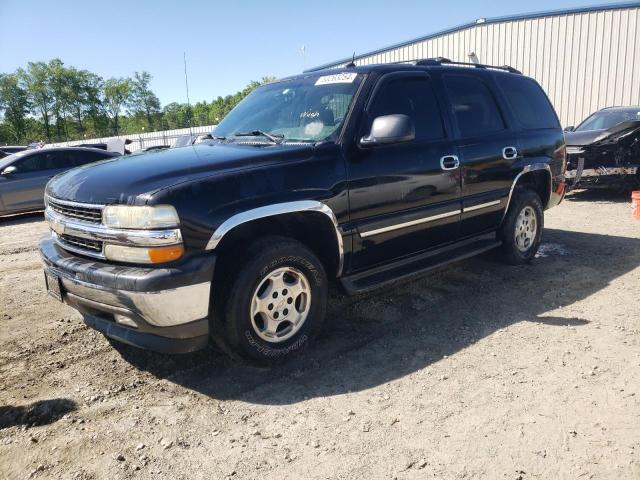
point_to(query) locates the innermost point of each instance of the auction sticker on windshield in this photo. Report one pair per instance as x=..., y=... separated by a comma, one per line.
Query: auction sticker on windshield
x=336, y=78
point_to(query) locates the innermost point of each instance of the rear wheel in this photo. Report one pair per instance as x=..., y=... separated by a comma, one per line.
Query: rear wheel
x=277, y=301
x=521, y=229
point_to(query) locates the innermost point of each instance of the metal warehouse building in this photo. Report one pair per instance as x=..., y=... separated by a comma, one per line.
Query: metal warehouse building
x=585, y=58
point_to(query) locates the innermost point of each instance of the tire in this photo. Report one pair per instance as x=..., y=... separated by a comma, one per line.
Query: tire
x=275, y=266
x=519, y=243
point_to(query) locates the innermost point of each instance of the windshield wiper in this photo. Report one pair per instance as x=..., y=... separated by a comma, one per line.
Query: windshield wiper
x=275, y=138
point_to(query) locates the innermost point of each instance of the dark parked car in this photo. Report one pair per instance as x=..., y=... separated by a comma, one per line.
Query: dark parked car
x=24, y=175
x=7, y=150
x=13, y=148
x=363, y=175
x=604, y=150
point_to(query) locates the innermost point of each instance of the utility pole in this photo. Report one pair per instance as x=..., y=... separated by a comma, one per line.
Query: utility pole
x=186, y=83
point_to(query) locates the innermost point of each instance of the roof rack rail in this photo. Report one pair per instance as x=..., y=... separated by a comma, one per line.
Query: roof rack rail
x=446, y=61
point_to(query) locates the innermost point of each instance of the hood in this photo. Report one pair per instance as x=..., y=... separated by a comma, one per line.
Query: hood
x=593, y=136
x=584, y=138
x=124, y=179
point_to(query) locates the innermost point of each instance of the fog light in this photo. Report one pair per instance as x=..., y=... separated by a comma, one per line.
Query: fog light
x=120, y=253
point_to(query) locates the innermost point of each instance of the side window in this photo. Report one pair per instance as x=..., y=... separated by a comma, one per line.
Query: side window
x=31, y=163
x=528, y=102
x=62, y=159
x=73, y=159
x=90, y=157
x=412, y=96
x=474, y=106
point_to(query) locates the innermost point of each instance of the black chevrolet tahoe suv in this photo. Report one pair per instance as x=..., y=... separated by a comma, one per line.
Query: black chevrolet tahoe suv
x=359, y=175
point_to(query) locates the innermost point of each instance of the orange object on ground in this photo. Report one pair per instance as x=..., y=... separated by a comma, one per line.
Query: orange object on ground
x=635, y=201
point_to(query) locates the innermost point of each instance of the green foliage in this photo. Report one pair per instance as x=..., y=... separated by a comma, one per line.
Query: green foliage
x=14, y=102
x=52, y=102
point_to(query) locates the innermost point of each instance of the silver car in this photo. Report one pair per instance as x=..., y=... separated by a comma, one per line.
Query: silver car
x=24, y=175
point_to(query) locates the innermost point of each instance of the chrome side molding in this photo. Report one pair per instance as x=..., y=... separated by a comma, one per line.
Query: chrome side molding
x=279, y=209
x=398, y=226
x=481, y=206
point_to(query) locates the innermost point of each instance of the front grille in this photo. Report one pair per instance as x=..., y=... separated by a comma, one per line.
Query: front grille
x=81, y=243
x=78, y=211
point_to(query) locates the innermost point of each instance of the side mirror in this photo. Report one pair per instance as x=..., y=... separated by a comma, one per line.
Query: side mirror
x=8, y=171
x=569, y=129
x=390, y=129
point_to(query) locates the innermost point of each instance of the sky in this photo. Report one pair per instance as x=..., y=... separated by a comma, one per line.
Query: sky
x=227, y=44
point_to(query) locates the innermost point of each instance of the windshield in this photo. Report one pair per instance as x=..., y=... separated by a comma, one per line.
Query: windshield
x=308, y=109
x=606, y=119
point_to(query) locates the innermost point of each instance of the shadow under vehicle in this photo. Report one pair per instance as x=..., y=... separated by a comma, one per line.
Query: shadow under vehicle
x=604, y=150
x=376, y=339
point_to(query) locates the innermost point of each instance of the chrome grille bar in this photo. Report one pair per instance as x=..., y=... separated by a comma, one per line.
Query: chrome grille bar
x=80, y=211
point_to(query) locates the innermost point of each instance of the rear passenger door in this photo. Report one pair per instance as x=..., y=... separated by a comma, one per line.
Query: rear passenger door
x=401, y=200
x=488, y=148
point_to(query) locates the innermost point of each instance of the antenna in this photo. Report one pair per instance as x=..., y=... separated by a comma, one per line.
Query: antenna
x=186, y=83
x=352, y=63
x=304, y=57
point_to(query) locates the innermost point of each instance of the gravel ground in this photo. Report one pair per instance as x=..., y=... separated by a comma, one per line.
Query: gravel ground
x=477, y=371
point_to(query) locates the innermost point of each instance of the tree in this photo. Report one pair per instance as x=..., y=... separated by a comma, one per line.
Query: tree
x=143, y=101
x=117, y=93
x=83, y=96
x=14, y=103
x=59, y=84
x=37, y=83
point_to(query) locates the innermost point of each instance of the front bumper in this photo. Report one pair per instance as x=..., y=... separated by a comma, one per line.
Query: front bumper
x=162, y=309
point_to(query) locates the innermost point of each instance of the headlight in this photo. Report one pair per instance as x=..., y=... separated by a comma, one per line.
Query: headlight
x=140, y=217
x=120, y=253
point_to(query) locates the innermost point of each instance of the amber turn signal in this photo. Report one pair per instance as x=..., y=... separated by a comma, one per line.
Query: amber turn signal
x=165, y=254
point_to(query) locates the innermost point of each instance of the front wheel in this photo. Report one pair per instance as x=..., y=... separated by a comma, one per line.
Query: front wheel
x=277, y=301
x=521, y=229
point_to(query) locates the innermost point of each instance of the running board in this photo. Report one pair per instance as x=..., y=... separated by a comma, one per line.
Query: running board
x=417, y=265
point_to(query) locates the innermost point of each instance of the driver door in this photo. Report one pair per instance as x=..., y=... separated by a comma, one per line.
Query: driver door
x=404, y=197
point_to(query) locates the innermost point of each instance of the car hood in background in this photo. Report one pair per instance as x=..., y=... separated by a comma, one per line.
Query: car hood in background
x=584, y=138
x=593, y=136
x=125, y=179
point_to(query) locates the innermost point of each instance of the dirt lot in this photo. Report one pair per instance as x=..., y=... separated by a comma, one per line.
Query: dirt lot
x=477, y=371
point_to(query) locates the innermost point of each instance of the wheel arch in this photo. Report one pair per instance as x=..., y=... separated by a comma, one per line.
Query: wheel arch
x=309, y=221
x=537, y=177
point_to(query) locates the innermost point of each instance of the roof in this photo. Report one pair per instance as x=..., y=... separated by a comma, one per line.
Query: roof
x=484, y=21
x=383, y=68
x=623, y=109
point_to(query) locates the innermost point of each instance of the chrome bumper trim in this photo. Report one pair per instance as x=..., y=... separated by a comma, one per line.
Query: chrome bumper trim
x=163, y=308
x=92, y=231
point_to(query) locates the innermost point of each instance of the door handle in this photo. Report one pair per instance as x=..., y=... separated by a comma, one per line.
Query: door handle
x=449, y=162
x=509, y=153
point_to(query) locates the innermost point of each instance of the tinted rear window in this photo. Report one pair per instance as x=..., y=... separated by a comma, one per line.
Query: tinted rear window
x=474, y=106
x=529, y=104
